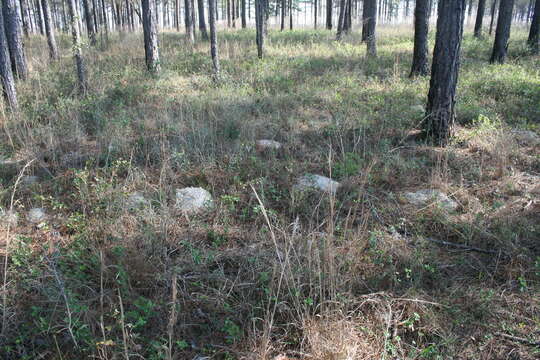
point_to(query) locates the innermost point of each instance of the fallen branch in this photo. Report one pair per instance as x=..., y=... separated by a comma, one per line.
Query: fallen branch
x=460, y=246
x=518, y=339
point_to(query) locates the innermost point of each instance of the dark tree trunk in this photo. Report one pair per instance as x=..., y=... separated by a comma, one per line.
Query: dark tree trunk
x=440, y=115
x=24, y=17
x=493, y=9
x=105, y=21
x=233, y=13
x=365, y=10
x=348, y=17
x=188, y=19
x=243, y=14
x=202, y=23
x=291, y=12
x=421, y=28
x=534, y=34
x=39, y=18
x=49, y=30
x=479, y=18
x=407, y=8
x=151, y=49
x=341, y=19
x=213, y=36
x=283, y=11
x=77, y=46
x=259, y=26
x=502, y=33
x=89, y=22
x=177, y=15
x=6, y=74
x=229, y=13
x=94, y=14
x=14, y=37
x=329, y=5
x=371, y=22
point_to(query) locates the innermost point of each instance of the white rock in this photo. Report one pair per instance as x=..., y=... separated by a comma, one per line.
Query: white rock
x=264, y=145
x=193, y=199
x=317, y=182
x=427, y=196
x=8, y=218
x=29, y=180
x=36, y=215
x=526, y=137
x=136, y=200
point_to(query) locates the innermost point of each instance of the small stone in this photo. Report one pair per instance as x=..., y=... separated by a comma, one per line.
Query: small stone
x=136, y=200
x=29, y=180
x=36, y=215
x=317, y=182
x=266, y=145
x=193, y=200
x=9, y=218
x=426, y=196
x=526, y=137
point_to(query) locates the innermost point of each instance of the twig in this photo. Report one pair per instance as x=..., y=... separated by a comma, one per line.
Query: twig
x=518, y=339
x=464, y=247
x=124, y=332
x=172, y=319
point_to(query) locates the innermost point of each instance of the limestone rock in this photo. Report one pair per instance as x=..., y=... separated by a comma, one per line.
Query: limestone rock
x=8, y=218
x=317, y=182
x=193, y=200
x=267, y=145
x=427, y=196
x=36, y=215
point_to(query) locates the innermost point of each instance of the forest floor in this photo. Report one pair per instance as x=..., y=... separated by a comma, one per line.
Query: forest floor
x=268, y=273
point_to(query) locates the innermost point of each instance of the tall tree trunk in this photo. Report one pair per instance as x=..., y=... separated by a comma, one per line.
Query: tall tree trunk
x=151, y=49
x=229, y=20
x=89, y=22
x=49, y=30
x=341, y=19
x=479, y=18
x=315, y=10
x=329, y=14
x=371, y=22
x=534, y=34
x=202, y=23
x=283, y=11
x=502, y=34
x=14, y=37
x=493, y=9
x=213, y=36
x=24, y=17
x=440, y=114
x=77, y=47
x=259, y=26
x=188, y=19
x=39, y=17
x=6, y=74
x=291, y=12
x=244, y=22
x=407, y=8
x=365, y=10
x=105, y=21
x=233, y=13
x=421, y=28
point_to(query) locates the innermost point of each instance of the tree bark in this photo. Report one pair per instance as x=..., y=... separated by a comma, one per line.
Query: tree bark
x=89, y=22
x=341, y=19
x=502, y=33
x=259, y=26
x=479, y=18
x=534, y=34
x=493, y=9
x=421, y=28
x=283, y=12
x=6, y=73
x=24, y=17
x=243, y=11
x=77, y=47
x=49, y=30
x=213, y=36
x=151, y=48
x=202, y=23
x=188, y=20
x=315, y=13
x=329, y=14
x=14, y=38
x=291, y=12
x=440, y=115
x=371, y=22
x=39, y=18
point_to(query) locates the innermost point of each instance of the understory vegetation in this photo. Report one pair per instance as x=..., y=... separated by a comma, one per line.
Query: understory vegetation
x=268, y=272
